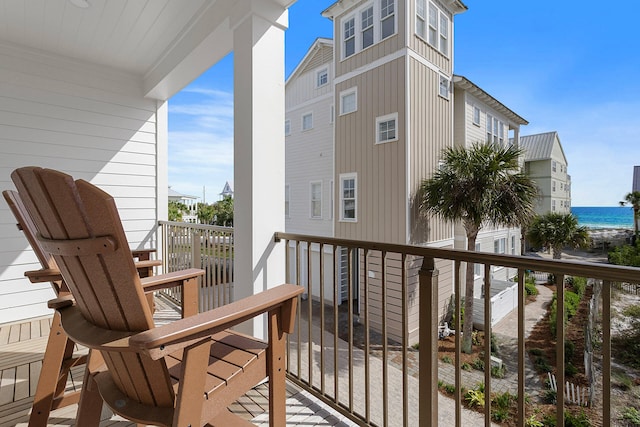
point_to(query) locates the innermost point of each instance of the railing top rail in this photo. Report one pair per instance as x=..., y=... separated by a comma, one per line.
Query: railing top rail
x=567, y=267
x=197, y=226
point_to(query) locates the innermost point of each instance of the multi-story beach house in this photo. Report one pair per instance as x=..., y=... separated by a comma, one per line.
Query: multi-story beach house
x=366, y=122
x=636, y=179
x=547, y=165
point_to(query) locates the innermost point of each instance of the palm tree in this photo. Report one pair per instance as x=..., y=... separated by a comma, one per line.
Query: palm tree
x=480, y=185
x=633, y=199
x=555, y=230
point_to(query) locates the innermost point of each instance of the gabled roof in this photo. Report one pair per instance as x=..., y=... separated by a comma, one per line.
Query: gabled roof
x=227, y=190
x=317, y=45
x=173, y=194
x=540, y=146
x=465, y=84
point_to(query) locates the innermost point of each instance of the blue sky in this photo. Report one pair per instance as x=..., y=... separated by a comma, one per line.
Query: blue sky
x=563, y=68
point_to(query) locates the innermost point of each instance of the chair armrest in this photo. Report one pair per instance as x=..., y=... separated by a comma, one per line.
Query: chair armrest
x=169, y=280
x=143, y=254
x=160, y=341
x=43, y=275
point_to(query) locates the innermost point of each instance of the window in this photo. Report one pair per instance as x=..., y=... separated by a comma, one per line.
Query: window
x=436, y=26
x=476, y=116
x=349, y=33
x=372, y=22
x=553, y=205
x=387, y=18
x=501, y=133
x=553, y=166
x=477, y=268
x=287, y=127
x=495, y=130
x=386, y=129
x=489, y=127
x=421, y=17
x=307, y=121
x=561, y=186
x=553, y=186
x=348, y=101
x=287, y=192
x=322, y=77
x=316, y=200
x=367, y=27
x=444, y=87
x=348, y=194
x=513, y=245
x=499, y=245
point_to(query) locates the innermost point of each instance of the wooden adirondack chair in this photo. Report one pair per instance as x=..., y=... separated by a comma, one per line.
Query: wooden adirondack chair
x=182, y=374
x=59, y=356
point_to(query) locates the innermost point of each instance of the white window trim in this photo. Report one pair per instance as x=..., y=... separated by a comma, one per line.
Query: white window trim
x=310, y=113
x=287, y=127
x=513, y=245
x=346, y=92
x=442, y=76
x=473, y=115
x=477, y=268
x=379, y=13
x=425, y=37
x=501, y=250
x=344, y=177
x=324, y=70
x=381, y=119
x=356, y=31
x=311, y=184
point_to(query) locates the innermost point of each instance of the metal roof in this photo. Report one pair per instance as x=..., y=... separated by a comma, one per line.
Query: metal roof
x=540, y=146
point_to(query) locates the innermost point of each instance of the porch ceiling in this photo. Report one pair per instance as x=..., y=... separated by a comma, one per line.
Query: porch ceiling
x=167, y=42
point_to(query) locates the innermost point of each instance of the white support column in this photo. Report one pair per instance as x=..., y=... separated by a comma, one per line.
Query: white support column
x=259, y=152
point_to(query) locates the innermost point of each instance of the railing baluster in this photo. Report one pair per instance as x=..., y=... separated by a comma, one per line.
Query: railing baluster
x=521, y=346
x=487, y=344
x=299, y=312
x=350, y=272
x=322, y=365
x=385, y=349
x=458, y=342
x=287, y=275
x=560, y=397
x=310, y=313
x=405, y=344
x=336, y=288
x=606, y=352
x=367, y=354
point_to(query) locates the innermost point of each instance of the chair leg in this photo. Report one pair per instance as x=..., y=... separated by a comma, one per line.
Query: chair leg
x=90, y=407
x=52, y=381
x=276, y=370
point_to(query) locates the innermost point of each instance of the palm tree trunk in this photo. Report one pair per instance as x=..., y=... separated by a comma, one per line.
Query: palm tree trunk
x=467, y=328
x=636, y=209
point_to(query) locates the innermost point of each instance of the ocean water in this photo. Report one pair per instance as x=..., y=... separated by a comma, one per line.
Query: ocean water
x=604, y=217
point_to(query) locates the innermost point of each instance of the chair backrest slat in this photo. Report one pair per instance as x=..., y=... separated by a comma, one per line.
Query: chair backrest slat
x=105, y=284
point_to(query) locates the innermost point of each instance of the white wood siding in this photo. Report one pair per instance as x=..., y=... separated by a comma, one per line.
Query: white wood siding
x=309, y=154
x=87, y=121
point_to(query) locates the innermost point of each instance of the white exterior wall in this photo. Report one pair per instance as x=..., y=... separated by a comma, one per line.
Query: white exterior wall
x=90, y=122
x=309, y=154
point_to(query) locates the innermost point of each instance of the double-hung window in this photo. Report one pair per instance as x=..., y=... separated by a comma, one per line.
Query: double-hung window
x=348, y=194
x=287, y=127
x=349, y=34
x=367, y=27
x=421, y=17
x=287, y=194
x=307, y=121
x=386, y=128
x=436, y=25
x=499, y=245
x=443, y=88
x=513, y=245
x=387, y=18
x=316, y=199
x=322, y=77
x=476, y=116
x=348, y=101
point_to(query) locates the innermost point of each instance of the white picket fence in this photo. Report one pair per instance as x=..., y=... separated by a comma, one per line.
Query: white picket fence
x=574, y=394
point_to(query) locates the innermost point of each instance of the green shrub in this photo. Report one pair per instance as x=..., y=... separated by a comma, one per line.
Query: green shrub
x=550, y=396
x=569, y=350
x=542, y=364
x=475, y=398
x=532, y=421
x=632, y=416
x=530, y=289
x=632, y=311
x=500, y=415
x=498, y=372
x=536, y=351
x=580, y=420
x=570, y=369
x=466, y=367
x=494, y=344
x=478, y=364
x=503, y=400
x=571, y=302
x=625, y=255
x=450, y=388
x=579, y=285
x=447, y=359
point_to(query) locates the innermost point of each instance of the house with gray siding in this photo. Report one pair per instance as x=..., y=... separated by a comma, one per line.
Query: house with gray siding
x=547, y=165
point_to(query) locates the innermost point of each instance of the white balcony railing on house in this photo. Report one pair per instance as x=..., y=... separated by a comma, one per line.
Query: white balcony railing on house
x=187, y=245
x=366, y=302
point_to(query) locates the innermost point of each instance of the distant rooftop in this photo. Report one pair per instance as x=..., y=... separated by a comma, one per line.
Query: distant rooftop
x=539, y=146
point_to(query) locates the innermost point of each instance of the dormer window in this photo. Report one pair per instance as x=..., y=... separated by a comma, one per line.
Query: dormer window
x=370, y=24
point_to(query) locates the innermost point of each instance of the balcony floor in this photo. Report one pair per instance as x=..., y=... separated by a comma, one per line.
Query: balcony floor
x=22, y=348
